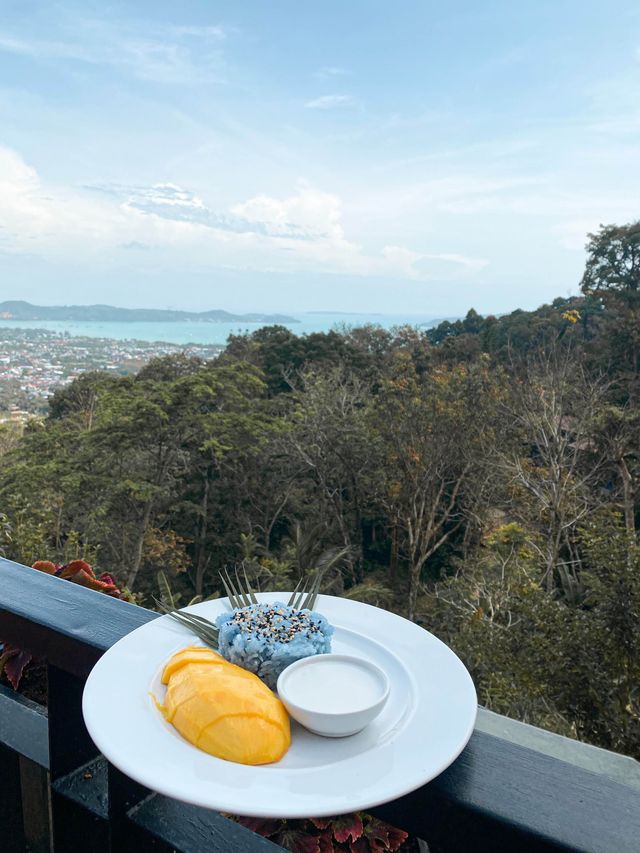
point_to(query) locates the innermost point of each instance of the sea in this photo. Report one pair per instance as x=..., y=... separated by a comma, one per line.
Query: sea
x=217, y=333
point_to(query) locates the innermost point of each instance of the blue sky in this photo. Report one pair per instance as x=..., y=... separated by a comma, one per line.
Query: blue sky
x=354, y=155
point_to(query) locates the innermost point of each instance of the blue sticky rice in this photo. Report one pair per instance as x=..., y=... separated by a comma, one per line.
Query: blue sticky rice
x=266, y=638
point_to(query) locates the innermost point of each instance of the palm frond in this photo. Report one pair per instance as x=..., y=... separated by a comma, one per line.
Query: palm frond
x=332, y=557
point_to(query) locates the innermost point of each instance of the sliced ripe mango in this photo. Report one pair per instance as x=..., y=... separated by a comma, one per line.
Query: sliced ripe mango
x=223, y=709
x=192, y=654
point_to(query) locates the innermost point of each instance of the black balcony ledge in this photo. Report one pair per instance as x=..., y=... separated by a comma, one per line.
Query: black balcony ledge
x=514, y=788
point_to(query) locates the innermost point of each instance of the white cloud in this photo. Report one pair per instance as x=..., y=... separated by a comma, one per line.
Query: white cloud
x=51, y=221
x=172, y=202
x=330, y=102
x=317, y=213
x=302, y=231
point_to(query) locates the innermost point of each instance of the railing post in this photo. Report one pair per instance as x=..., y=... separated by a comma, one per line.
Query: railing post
x=11, y=825
x=36, y=806
x=83, y=806
x=75, y=829
x=69, y=743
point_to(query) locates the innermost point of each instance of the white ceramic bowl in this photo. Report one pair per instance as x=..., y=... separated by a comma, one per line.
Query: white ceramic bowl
x=333, y=695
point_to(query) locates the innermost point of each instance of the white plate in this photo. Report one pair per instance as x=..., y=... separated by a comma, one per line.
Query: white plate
x=423, y=727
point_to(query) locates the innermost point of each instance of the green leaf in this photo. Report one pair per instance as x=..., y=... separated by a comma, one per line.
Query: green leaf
x=165, y=590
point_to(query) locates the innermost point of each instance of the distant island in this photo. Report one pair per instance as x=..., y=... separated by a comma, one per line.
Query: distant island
x=19, y=310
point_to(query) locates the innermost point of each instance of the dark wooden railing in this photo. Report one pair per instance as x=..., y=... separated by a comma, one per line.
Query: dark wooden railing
x=58, y=794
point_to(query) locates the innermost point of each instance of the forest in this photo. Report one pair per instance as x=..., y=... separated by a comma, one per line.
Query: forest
x=481, y=478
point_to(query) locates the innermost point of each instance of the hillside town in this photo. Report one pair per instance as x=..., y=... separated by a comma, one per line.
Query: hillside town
x=34, y=362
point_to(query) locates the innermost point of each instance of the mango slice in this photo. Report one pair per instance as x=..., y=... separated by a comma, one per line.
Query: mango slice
x=224, y=709
x=192, y=654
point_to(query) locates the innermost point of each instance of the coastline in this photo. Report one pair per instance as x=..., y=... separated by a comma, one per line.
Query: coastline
x=207, y=333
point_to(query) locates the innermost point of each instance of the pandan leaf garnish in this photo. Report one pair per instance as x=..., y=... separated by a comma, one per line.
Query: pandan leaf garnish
x=202, y=628
x=306, y=600
x=239, y=596
x=238, y=599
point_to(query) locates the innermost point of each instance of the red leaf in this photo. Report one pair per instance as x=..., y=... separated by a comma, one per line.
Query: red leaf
x=360, y=846
x=262, y=825
x=320, y=822
x=397, y=837
x=15, y=664
x=298, y=842
x=79, y=571
x=67, y=574
x=346, y=827
x=46, y=566
x=78, y=566
x=92, y=582
x=383, y=836
x=325, y=842
x=113, y=589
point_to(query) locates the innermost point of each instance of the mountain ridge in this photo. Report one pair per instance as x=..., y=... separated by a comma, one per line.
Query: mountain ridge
x=15, y=309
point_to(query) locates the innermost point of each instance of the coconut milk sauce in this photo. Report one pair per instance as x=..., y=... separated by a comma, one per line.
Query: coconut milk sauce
x=331, y=686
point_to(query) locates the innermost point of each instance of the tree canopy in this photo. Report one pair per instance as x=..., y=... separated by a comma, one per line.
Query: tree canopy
x=481, y=477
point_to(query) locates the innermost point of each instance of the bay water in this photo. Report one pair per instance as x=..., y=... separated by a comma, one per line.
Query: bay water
x=215, y=333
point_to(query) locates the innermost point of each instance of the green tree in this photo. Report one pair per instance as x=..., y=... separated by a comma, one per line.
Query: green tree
x=554, y=468
x=436, y=431
x=332, y=443
x=618, y=436
x=612, y=274
x=606, y=696
x=613, y=260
